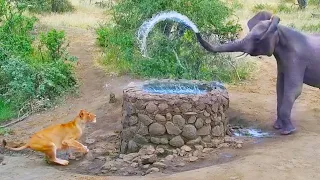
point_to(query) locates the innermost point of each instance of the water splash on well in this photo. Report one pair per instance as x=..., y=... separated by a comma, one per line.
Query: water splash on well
x=147, y=26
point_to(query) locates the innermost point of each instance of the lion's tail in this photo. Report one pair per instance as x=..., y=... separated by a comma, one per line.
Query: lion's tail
x=4, y=142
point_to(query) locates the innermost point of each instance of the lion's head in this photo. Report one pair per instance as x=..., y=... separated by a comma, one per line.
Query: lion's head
x=86, y=116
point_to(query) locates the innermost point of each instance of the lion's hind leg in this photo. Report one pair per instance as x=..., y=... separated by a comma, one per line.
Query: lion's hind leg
x=49, y=149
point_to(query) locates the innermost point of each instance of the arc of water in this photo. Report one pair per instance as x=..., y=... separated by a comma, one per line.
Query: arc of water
x=148, y=25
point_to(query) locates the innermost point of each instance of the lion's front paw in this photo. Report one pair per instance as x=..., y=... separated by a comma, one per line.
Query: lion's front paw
x=86, y=150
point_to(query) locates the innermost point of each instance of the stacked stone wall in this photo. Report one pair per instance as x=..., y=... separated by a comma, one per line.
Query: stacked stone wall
x=172, y=119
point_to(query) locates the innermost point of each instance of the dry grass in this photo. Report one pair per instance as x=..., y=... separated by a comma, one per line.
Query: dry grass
x=85, y=16
x=288, y=12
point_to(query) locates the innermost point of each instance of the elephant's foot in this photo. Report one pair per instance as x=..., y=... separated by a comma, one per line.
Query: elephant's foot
x=288, y=130
x=277, y=124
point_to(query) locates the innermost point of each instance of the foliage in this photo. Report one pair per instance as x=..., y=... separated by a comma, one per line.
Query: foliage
x=172, y=54
x=5, y=111
x=31, y=76
x=40, y=6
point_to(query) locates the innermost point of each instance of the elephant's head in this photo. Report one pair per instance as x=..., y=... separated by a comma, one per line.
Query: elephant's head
x=261, y=39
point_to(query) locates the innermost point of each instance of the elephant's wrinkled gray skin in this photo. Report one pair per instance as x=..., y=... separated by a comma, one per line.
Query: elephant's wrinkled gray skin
x=297, y=55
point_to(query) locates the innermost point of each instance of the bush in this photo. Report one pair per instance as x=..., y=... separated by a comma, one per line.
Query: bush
x=31, y=76
x=177, y=57
x=39, y=6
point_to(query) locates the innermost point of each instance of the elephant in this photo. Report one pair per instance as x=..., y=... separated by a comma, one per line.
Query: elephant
x=297, y=55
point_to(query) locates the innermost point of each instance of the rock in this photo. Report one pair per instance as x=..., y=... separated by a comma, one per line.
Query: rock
x=159, y=151
x=140, y=105
x=145, y=119
x=112, y=98
x=205, y=130
x=146, y=166
x=157, y=129
x=164, y=140
x=179, y=121
x=121, y=156
x=130, y=157
x=148, y=159
x=199, y=123
x=113, y=169
x=168, y=117
x=229, y=139
x=192, y=119
x=185, y=107
x=176, y=141
x=140, y=139
x=128, y=133
x=169, y=157
x=207, y=144
x=174, y=151
x=159, y=165
x=186, y=148
x=153, y=170
x=207, y=138
x=143, y=130
x=205, y=113
x=214, y=107
x=123, y=147
x=108, y=165
x=137, y=159
x=133, y=120
x=239, y=146
x=155, y=140
x=216, y=131
x=161, y=119
x=147, y=150
x=132, y=146
x=1, y=158
x=176, y=110
x=189, y=132
x=134, y=165
x=90, y=141
x=3, y=163
x=163, y=106
x=194, y=141
x=201, y=106
x=181, y=164
x=198, y=147
x=223, y=145
x=182, y=153
x=216, y=142
x=208, y=121
x=193, y=158
x=151, y=108
x=196, y=153
x=191, y=113
x=207, y=150
x=172, y=129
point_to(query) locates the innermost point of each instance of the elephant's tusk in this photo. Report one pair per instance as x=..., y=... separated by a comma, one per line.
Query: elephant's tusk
x=241, y=55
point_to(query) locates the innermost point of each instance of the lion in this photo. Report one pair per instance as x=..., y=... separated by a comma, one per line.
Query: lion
x=59, y=137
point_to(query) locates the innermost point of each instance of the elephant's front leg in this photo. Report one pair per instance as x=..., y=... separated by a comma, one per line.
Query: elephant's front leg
x=280, y=88
x=293, y=82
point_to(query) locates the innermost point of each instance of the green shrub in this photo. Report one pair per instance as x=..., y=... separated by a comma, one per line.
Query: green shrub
x=177, y=57
x=31, y=75
x=6, y=111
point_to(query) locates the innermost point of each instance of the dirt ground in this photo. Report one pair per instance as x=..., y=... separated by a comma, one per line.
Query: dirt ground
x=284, y=157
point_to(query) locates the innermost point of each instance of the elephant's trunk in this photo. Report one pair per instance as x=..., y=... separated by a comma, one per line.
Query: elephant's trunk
x=228, y=47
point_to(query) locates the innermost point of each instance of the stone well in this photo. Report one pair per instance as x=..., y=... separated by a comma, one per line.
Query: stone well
x=173, y=113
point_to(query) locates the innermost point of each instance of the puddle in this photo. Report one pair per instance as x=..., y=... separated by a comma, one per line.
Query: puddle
x=251, y=132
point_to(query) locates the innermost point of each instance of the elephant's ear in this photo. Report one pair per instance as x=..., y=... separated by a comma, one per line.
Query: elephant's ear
x=260, y=16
